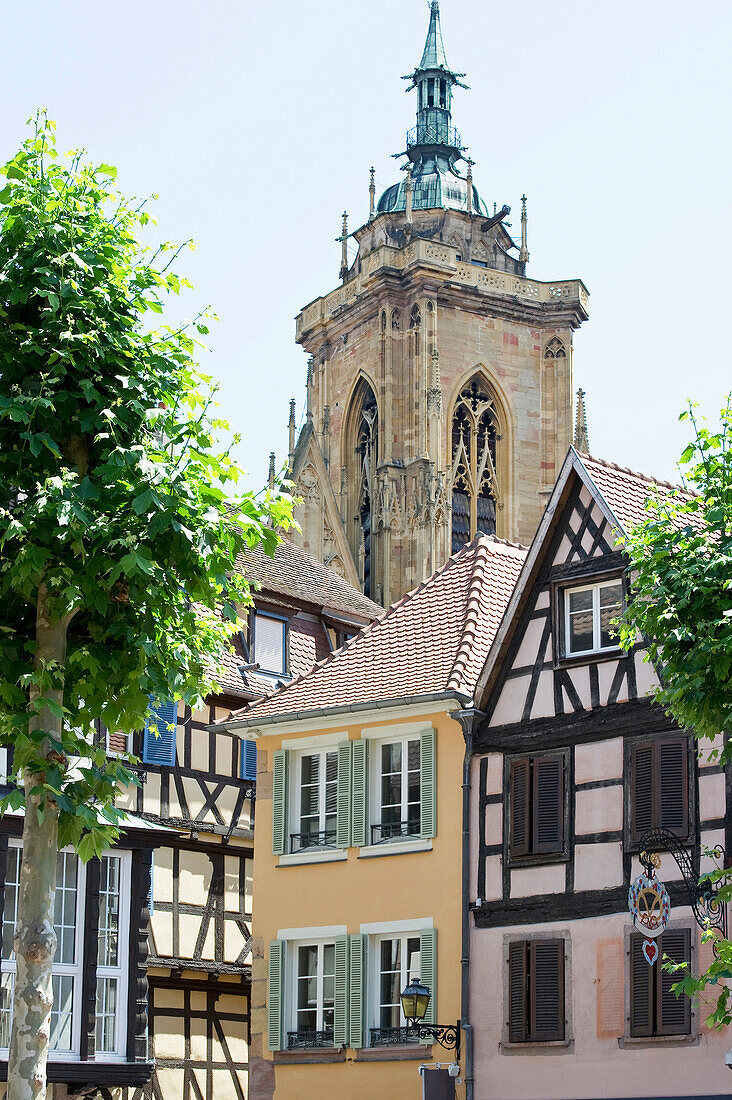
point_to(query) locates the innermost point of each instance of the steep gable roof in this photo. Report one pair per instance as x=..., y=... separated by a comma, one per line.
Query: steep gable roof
x=431, y=642
x=619, y=492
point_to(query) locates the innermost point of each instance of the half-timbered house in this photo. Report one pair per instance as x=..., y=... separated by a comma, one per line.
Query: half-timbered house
x=166, y=1014
x=573, y=764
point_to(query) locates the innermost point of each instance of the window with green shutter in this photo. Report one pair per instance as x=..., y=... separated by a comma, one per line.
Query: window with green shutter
x=359, y=794
x=279, y=802
x=275, y=994
x=343, y=797
x=394, y=960
x=428, y=783
x=356, y=990
x=403, y=795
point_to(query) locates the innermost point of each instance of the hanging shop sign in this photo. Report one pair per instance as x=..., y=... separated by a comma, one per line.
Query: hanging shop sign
x=650, y=908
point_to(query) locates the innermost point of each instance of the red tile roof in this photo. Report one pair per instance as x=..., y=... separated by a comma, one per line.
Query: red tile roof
x=626, y=491
x=432, y=641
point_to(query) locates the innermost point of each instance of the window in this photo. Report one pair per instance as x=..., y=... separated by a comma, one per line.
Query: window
x=402, y=788
x=111, y=974
x=659, y=786
x=118, y=743
x=158, y=741
x=398, y=808
x=536, y=991
x=317, y=800
x=269, y=643
x=588, y=614
x=248, y=761
x=398, y=960
x=654, y=1009
x=67, y=965
x=314, y=998
x=536, y=805
x=474, y=464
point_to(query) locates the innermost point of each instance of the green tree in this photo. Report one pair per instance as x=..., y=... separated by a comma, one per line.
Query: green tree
x=121, y=518
x=681, y=604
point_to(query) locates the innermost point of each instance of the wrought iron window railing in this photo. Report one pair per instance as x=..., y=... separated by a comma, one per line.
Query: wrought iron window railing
x=306, y=1040
x=394, y=829
x=299, y=842
x=393, y=1036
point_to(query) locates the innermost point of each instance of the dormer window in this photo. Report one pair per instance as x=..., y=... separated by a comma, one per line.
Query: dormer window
x=589, y=611
x=269, y=643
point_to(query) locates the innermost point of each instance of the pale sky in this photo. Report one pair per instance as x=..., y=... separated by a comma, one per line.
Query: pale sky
x=256, y=124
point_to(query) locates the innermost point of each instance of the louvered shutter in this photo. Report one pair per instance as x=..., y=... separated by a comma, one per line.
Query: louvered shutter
x=341, y=1005
x=275, y=994
x=248, y=762
x=343, y=801
x=519, y=791
x=641, y=989
x=428, y=783
x=672, y=759
x=158, y=743
x=356, y=989
x=641, y=795
x=546, y=990
x=674, y=1013
x=517, y=991
x=548, y=804
x=428, y=969
x=279, y=802
x=359, y=794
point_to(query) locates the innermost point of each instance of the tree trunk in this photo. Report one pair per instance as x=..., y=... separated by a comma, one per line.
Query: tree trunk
x=35, y=938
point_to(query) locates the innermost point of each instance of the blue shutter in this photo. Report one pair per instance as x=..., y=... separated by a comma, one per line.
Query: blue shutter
x=158, y=743
x=248, y=760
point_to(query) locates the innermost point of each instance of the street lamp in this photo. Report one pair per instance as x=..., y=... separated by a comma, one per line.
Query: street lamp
x=415, y=1002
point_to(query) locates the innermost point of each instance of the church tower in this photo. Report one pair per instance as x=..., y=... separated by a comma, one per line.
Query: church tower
x=439, y=385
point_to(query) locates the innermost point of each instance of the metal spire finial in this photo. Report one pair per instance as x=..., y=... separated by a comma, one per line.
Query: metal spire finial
x=372, y=193
x=524, y=253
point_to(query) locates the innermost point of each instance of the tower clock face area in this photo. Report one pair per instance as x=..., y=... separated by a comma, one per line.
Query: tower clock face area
x=439, y=387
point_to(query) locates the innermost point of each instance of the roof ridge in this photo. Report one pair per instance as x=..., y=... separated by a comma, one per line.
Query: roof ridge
x=648, y=478
x=358, y=638
x=472, y=602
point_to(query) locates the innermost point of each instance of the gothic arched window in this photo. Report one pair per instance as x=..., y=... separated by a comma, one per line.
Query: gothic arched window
x=555, y=349
x=415, y=323
x=474, y=480
x=365, y=436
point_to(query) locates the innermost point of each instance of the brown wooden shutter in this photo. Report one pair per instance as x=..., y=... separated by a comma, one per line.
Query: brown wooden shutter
x=641, y=989
x=672, y=763
x=674, y=1013
x=520, y=794
x=517, y=990
x=546, y=990
x=641, y=790
x=548, y=804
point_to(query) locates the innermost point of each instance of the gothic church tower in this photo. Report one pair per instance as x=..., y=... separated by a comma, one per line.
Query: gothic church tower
x=439, y=389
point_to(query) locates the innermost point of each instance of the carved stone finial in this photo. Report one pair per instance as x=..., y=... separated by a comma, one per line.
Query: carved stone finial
x=271, y=474
x=408, y=197
x=524, y=253
x=372, y=193
x=344, y=247
x=581, y=435
x=291, y=434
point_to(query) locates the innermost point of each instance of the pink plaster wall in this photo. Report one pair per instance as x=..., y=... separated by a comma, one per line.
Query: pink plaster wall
x=594, y=1064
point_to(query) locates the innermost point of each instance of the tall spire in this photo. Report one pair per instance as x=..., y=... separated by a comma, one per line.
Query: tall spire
x=581, y=437
x=433, y=56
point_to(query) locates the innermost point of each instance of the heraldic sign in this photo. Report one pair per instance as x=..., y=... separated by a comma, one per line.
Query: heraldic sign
x=649, y=906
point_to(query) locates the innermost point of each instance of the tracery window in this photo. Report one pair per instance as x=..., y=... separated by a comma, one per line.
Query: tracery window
x=555, y=349
x=474, y=479
x=367, y=446
x=415, y=323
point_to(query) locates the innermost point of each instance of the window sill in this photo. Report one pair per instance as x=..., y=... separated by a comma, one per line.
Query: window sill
x=593, y=656
x=395, y=848
x=540, y=860
x=409, y=1052
x=327, y=856
x=630, y=1042
x=551, y=1046
x=305, y=1057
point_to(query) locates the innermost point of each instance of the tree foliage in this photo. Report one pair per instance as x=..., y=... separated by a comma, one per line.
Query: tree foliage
x=681, y=604
x=119, y=510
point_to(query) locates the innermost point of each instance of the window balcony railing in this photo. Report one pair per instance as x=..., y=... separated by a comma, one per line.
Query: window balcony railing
x=393, y=1036
x=393, y=830
x=301, y=842
x=304, y=1039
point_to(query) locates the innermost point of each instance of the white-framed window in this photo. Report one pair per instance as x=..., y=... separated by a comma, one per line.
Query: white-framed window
x=588, y=613
x=68, y=962
x=312, y=994
x=395, y=959
x=269, y=643
x=114, y=893
x=396, y=789
x=315, y=796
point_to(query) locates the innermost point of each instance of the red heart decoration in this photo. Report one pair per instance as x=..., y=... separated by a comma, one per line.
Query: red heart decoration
x=650, y=950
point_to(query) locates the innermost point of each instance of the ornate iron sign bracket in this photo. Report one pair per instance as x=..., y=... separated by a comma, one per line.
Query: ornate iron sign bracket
x=708, y=910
